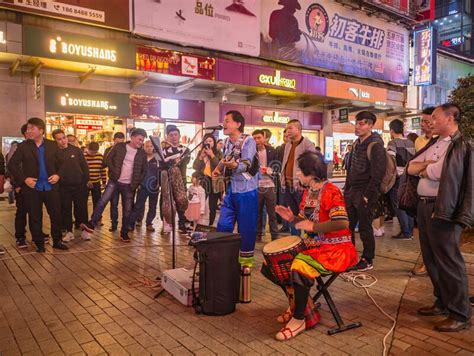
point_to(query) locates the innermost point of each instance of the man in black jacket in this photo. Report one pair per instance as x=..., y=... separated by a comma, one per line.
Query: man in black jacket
x=73, y=185
x=362, y=188
x=36, y=165
x=119, y=137
x=127, y=165
x=269, y=170
x=445, y=206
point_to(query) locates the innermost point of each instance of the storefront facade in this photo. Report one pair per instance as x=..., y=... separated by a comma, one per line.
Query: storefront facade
x=276, y=120
x=269, y=82
x=89, y=115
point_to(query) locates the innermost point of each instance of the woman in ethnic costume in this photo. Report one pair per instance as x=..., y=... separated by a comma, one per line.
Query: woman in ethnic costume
x=323, y=217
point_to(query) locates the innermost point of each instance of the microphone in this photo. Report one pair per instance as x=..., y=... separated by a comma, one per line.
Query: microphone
x=216, y=127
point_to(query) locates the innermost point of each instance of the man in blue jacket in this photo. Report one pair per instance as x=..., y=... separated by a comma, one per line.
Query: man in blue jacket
x=241, y=200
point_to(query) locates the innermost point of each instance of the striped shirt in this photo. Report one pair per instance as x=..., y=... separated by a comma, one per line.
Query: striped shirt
x=96, y=172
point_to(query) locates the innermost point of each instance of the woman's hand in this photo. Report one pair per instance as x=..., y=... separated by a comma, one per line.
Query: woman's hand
x=209, y=152
x=285, y=213
x=306, y=225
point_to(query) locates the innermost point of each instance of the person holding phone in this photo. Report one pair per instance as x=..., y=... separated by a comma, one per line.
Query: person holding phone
x=206, y=161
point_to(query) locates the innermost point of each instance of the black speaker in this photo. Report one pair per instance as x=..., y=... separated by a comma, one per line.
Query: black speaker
x=217, y=260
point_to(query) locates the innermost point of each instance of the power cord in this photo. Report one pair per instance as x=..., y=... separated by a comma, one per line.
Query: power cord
x=356, y=278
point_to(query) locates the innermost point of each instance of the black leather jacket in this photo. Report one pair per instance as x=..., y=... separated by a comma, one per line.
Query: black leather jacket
x=455, y=194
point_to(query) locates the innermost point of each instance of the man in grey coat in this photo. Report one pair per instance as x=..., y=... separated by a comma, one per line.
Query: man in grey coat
x=292, y=191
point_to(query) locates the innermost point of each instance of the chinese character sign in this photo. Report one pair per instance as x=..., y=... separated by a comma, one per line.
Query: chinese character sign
x=94, y=12
x=226, y=25
x=425, y=57
x=327, y=35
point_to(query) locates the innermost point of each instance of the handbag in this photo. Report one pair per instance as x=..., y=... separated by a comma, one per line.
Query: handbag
x=407, y=196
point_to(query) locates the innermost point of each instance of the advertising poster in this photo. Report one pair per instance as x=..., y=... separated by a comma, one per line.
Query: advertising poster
x=327, y=35
x=157, y=60
x=96, y=12
x=226, y=25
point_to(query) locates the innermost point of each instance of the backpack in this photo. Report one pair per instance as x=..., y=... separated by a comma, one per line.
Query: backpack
x=390, y=175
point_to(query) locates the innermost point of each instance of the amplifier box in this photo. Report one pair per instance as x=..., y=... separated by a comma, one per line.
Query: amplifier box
x=178, y=283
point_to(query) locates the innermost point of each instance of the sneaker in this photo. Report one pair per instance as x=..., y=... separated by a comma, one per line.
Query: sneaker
x=21, y=243
x=85, y=236
x=88, y=227
x=379, y=232
x=113, y=228
x=40, y=248
x=46, y=238
x=361, y=266
x=68, y=237
x=2, y=251
x=125, y=238
x=150, y=228
x=60, y=246
x=401, y=236
x=166, y=228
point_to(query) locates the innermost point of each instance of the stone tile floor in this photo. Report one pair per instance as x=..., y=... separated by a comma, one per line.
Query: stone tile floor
x=97, y=298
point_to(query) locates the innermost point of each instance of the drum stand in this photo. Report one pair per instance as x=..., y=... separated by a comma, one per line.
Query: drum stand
x=156, y=145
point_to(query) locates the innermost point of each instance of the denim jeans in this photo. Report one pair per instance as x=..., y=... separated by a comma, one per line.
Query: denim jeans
x=114, y=189
x=139, y=208
x=407, y=223
x=292, y=199
x=114, y=201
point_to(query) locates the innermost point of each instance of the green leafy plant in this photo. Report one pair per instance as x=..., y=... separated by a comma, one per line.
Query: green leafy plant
x=463, y=95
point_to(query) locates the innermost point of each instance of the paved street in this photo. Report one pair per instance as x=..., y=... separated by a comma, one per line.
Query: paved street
x=97, y=298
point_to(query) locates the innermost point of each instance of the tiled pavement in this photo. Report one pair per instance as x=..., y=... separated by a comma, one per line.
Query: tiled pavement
x=97, y=299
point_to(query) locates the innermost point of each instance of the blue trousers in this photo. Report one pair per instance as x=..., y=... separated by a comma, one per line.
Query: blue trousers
x=113, y=189
x=241, y=208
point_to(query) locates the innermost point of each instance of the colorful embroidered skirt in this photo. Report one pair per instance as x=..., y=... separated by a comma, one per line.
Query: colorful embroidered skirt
x=325, y=259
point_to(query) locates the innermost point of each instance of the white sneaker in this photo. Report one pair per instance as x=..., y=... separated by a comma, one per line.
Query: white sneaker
x=85, y=235
x=68, y=237
x=167, y=228
x=379, y=232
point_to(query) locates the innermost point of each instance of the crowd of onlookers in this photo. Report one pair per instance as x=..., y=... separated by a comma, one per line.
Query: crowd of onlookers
x=425, y=180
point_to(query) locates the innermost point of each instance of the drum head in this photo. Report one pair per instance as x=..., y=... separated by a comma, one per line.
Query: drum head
x=281, y=244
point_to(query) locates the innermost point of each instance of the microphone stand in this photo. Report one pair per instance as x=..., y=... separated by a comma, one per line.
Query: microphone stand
x=171, y=198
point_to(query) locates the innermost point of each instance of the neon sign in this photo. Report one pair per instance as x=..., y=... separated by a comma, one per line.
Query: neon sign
x=276, y=118
x=79, y=50
x=69, y=101
x=425, y=57
x=277, y=80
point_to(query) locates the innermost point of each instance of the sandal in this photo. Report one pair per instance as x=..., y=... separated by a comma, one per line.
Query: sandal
x=285, y=317
x=286, y=333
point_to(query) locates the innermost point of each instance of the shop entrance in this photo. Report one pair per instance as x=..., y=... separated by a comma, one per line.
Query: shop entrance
x=87, y=128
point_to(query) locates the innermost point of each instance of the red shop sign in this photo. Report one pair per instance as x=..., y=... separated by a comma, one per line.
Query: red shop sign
x=157, y=60
x=89, y=127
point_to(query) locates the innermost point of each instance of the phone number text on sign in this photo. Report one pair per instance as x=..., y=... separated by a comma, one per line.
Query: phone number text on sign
x=63, y=9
